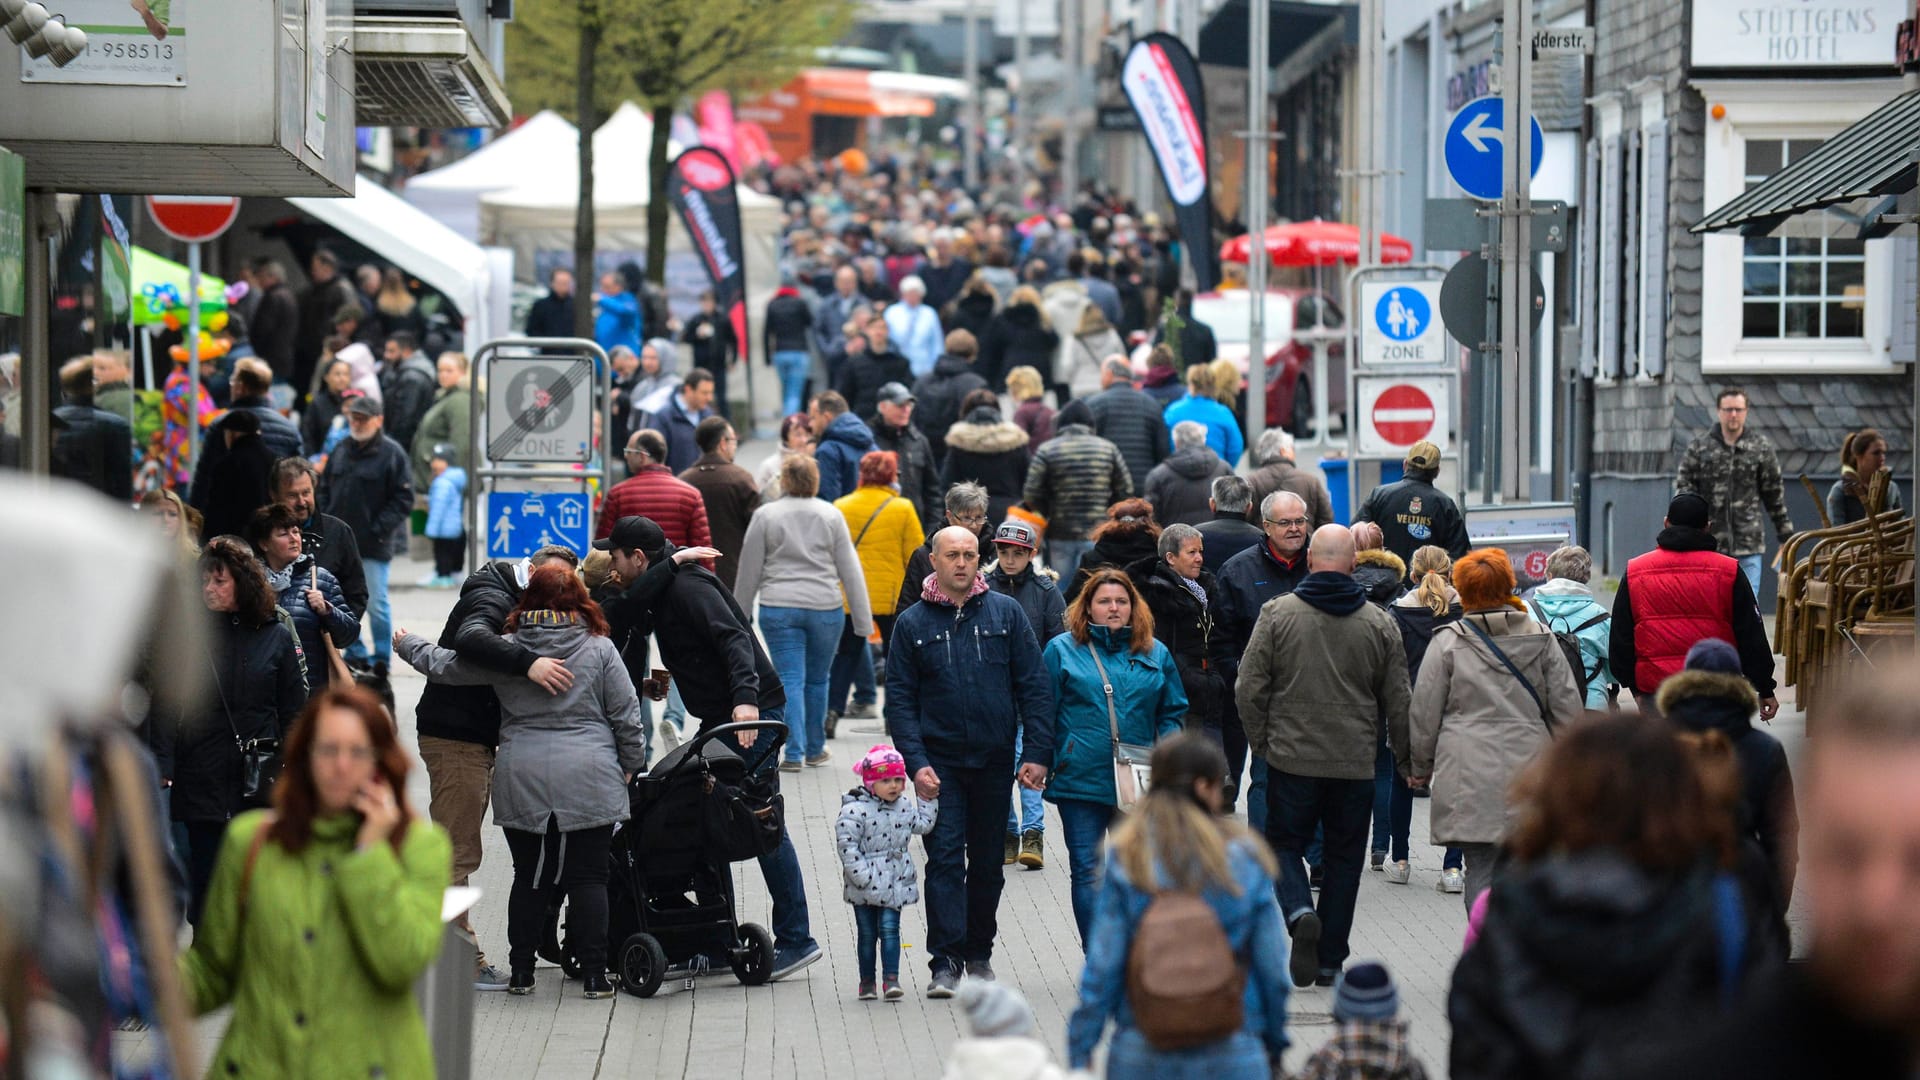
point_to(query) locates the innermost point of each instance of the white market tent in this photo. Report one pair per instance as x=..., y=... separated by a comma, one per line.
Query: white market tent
x=410, y=239
x=451, y=194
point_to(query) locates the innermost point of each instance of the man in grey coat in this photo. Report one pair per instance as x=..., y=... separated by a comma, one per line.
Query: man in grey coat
x=1322, y=674
x=1129, y=419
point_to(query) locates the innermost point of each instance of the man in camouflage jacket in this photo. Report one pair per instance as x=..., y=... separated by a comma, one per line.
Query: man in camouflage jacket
x=1736, y=471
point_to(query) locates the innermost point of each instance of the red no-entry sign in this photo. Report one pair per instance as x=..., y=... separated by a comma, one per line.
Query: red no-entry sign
x=1403, y=414
x=193, y=218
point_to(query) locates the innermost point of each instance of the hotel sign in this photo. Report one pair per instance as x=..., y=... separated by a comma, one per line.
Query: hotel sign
x=1795, y=33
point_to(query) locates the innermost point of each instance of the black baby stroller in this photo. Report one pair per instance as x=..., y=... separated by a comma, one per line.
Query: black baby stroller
x=699, y=810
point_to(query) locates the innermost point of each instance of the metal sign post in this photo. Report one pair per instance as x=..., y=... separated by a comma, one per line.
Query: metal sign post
x=532, y=411
x=1396, y=401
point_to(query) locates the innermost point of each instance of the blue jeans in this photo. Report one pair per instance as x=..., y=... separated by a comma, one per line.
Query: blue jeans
x=1033, y=810
x=965, y=872
x=1063, y=556
x=852, y=667
x=379, y=615
x=676, y=713
x=879, y=931
x=781, y=870
x=792, y=367
x=801, y=643
x=1392, y=807
x=1084, y=824
x=1237, y=1057
x=1751, y=565
x=1341, y=808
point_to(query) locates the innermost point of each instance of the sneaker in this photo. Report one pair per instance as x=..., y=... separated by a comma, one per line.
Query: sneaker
x=488, y=977
x=1399, y=872
x=944, y=983
x=1031, y=854
x=862, y=710
x=521, y=982
x=890, y=987
x=1326, y=978
x=431, y=581
x=1304, y=964
x=1377, y=860
x=788, y=961
x=595, y=987
x=1452, y=880
x=1013, y=848
x=867, y=992
x=980, y=969
x=818, y=760
x=790, y=765
x=669, y=735
x=833, y=723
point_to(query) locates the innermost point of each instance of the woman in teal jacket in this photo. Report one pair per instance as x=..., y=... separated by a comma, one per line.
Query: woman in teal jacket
x=1148, y=703
x=323, y=914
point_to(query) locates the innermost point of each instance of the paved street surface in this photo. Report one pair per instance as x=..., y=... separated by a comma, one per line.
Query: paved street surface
x=810, y=1025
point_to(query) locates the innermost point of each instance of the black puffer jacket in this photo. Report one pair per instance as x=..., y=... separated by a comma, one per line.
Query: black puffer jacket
x=939, y=393
x=1185, y=625
x=370, y=487
x=1118, y=550
x=474, y=628
x=788, y=320
x=1382, y=574
x=862, y=376
x=973, y=312
x=341, y=622
x=1582, y=958
x=1020, y=334
x=1180, y=486
x=255, y=691
x=991, y=452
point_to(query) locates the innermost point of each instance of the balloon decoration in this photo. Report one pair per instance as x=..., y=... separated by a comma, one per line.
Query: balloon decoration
x=211, y=348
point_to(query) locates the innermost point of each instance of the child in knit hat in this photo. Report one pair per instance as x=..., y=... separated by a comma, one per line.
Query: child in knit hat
x=1369, y=1040
x=1005, y=1040
x=876, y=821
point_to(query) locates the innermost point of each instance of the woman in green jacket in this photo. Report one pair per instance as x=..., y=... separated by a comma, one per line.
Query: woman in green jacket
x=324, y=913
x=1109, y=617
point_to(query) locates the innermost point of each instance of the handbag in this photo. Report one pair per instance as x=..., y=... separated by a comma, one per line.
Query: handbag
x=1132, y=773
x=259, y=758
x=339, y=674
x=1525, y=683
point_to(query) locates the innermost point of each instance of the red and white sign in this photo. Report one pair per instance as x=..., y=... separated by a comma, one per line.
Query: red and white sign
x=1535, y=564
x=193, y=218
x=1396, y=411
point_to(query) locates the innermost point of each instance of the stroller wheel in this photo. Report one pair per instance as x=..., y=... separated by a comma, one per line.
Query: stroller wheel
x=569, y=961
x=753, y=959
x=643, y=963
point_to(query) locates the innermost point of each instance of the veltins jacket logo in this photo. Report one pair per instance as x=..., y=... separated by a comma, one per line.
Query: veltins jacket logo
x=1414, y=506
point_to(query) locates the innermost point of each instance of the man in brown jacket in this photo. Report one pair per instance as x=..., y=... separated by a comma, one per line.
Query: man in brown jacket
x=1275, y=471
x=727, y=490
x=1322, y=672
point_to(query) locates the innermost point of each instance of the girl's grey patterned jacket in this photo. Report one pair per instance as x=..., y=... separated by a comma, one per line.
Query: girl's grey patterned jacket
x=872, y=836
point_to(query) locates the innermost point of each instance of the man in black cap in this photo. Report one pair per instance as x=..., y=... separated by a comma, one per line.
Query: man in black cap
x=1679, y=594
x=1412, y=513
x=726, y=677
x=893, y=429
x=369, y=486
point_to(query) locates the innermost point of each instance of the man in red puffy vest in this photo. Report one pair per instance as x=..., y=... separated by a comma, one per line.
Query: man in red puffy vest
x=1678, y=594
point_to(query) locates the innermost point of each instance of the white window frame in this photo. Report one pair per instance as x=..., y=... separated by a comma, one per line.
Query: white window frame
x=1783, y=109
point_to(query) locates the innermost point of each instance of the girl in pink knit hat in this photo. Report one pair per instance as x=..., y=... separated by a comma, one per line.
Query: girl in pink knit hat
x=876, y=821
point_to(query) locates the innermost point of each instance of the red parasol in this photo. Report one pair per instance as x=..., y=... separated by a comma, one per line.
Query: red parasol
x=1316, y=243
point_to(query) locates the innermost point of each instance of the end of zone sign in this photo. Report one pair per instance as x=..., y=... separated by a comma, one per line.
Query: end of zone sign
x=1396, y=411
x=1403, y=324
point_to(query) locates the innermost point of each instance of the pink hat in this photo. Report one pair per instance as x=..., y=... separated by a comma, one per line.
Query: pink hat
x=882, y=762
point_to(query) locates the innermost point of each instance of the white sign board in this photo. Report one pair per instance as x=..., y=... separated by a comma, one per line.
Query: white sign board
x=1402, y=323
x=129, y=43
x=1393, y=412
x=540, y=409
x=1563, y=41
x=1783, y=34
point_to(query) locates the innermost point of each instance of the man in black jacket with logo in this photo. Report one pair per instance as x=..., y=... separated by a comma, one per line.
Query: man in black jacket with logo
x=459, y=726
x=1412, y=513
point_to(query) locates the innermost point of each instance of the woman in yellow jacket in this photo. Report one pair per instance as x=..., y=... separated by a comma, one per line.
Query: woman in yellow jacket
x=886, y=532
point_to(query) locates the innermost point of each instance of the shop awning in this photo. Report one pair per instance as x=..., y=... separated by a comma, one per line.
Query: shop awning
x=852, y=92
x=1858, y=177
x=1314, y=29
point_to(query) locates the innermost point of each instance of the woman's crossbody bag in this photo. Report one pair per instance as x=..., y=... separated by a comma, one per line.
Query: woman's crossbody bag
x=1131, y=772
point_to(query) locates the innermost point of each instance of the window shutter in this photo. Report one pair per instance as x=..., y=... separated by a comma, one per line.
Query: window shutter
x=1630, y=257
x=1589, y=222
x=1653, y=254
x=1609, y=265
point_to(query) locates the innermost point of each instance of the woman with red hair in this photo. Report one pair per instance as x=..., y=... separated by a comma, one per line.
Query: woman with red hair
x=1493, y=689
x=324, y=913
x=560, y=777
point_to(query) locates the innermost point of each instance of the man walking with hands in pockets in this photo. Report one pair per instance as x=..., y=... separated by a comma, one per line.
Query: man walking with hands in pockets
x=963, y=675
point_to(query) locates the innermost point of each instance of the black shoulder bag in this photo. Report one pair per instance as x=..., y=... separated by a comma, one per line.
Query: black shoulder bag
x=1526, y=683
x=259, y=758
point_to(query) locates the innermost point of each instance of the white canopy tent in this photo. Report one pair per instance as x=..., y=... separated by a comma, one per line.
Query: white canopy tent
x=451, y=194
x=437, y=255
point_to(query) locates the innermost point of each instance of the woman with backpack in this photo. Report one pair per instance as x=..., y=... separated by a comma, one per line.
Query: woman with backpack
x=1565, y=603
x=1109, y=642
x=1493, y=688
x=1187, y=956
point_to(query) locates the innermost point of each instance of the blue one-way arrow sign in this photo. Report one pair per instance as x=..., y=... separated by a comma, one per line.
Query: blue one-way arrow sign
x=1474, y=148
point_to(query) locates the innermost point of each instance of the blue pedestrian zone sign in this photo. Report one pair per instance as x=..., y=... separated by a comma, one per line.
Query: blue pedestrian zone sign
x=1402, y=314
x=1474, y=151
x=519, y=523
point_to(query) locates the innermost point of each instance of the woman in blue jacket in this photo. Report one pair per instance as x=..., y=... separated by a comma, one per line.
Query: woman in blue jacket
x=1107, y=617
x=1176, y=839
x=1223, y=429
